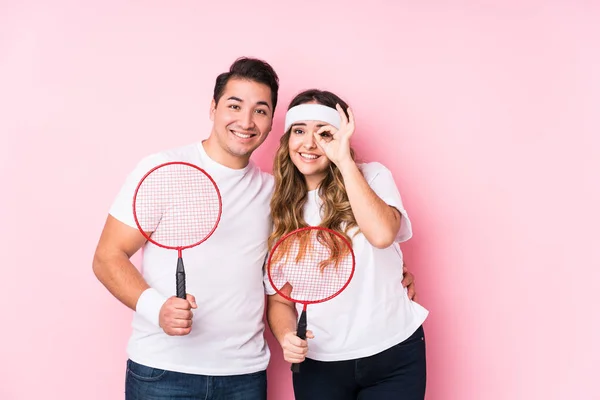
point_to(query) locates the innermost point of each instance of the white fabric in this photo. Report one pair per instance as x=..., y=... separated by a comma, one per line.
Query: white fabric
x=312, y=112
x=373, y=313
x=224, y=273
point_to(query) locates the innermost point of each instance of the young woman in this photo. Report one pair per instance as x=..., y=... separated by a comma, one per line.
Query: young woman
x=368, y=342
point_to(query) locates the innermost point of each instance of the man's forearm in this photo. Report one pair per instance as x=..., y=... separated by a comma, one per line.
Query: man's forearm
x=120, y=277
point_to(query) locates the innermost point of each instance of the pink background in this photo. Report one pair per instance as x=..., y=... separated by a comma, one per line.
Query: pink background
x=486, y=112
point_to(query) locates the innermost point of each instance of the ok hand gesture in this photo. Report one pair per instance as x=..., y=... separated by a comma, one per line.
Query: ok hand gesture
x=336, y=143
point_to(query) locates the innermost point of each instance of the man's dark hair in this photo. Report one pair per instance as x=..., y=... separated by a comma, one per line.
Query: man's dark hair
x=251, y=69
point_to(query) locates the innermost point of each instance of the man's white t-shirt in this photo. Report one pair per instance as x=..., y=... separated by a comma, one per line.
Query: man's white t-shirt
x=224, y=273
x=374, y=312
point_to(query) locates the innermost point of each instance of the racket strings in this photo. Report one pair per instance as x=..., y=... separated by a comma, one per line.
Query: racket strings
x=177, y=203
x=310, y=269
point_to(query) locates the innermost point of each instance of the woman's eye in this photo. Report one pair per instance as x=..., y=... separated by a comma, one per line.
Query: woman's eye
x=298, y=131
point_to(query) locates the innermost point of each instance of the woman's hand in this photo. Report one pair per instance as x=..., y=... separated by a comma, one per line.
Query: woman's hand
x=335, y=143
x=294, y=348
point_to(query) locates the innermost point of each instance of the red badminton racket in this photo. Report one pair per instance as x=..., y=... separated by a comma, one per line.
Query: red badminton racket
x=177, y=205
x=310, y=265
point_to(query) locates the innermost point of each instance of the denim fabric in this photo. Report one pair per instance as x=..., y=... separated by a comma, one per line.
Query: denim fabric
x=147, y=383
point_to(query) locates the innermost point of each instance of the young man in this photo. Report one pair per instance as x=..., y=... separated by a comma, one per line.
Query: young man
x=211, y=344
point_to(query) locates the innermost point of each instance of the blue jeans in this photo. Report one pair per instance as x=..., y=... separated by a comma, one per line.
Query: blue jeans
x=146, y=383
x=398, y=373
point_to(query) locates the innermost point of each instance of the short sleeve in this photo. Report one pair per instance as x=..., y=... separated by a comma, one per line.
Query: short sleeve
x=269, y=290
x=122, y=206
x=380, y=179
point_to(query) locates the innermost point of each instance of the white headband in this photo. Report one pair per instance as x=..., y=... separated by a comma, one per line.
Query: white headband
x=312, y=112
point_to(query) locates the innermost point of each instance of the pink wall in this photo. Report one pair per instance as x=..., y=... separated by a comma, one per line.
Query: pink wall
x=487, y=113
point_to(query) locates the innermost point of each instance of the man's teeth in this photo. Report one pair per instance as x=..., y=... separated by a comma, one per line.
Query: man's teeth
x=309, y=156
x=241, y=135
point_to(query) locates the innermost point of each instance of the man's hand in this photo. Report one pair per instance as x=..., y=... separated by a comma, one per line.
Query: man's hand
x=294, y=348
x=409, y=282
x=175, y=316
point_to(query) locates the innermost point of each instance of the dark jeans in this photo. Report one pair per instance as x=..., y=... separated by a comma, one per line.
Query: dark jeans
x=398, y=373
x=146, y=383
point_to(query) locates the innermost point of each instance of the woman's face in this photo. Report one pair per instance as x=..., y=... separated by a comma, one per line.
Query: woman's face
x=305, y=154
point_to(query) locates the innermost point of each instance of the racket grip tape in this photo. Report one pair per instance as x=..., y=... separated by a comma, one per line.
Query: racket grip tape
x=180, y=279
x=301, y=330
x=301, y=333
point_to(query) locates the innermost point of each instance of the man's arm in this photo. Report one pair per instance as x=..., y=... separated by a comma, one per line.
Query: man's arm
x=118, y=242
x=111, y=265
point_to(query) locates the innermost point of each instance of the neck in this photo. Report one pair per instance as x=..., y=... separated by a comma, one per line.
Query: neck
x=313, y=182
x=219, y=155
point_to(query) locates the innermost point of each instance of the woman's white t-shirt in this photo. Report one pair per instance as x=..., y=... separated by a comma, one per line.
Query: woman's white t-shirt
x=374, y=312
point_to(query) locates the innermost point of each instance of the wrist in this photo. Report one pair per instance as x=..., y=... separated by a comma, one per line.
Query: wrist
x=149, y=304
x=346, y=166
x=283, y=334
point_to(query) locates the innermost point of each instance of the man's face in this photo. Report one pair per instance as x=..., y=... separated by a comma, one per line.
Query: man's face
x=242, y=119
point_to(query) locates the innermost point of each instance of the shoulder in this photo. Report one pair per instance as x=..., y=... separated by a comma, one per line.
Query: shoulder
x=149, y=161
x=182, y=153
x=270, y=179
x=372, y=169
x=255, y=173
x=188, y=153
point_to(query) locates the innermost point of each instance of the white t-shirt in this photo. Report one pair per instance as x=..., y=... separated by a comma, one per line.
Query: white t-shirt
x=374, y=312
x=224, y=273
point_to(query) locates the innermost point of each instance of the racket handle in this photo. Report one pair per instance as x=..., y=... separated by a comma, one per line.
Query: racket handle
x=301, y=330
x=301, y=333
x=180, y=279
x=296, y=367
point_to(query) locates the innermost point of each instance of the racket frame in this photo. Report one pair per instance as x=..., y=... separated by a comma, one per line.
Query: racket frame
x=302, y=323
x=294, y=232
x=180, y=270
x=149, y=237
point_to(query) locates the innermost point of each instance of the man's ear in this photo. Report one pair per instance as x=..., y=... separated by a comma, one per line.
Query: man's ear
x=213, y=110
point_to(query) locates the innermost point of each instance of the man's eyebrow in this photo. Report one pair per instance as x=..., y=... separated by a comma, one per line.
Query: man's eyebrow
x=264, y=103
x=260, y=103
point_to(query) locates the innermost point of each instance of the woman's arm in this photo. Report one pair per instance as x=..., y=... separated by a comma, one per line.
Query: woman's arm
x=281, y=315
x=378, y=221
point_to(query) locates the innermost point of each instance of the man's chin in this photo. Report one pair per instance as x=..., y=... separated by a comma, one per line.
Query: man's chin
x=242, y=152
